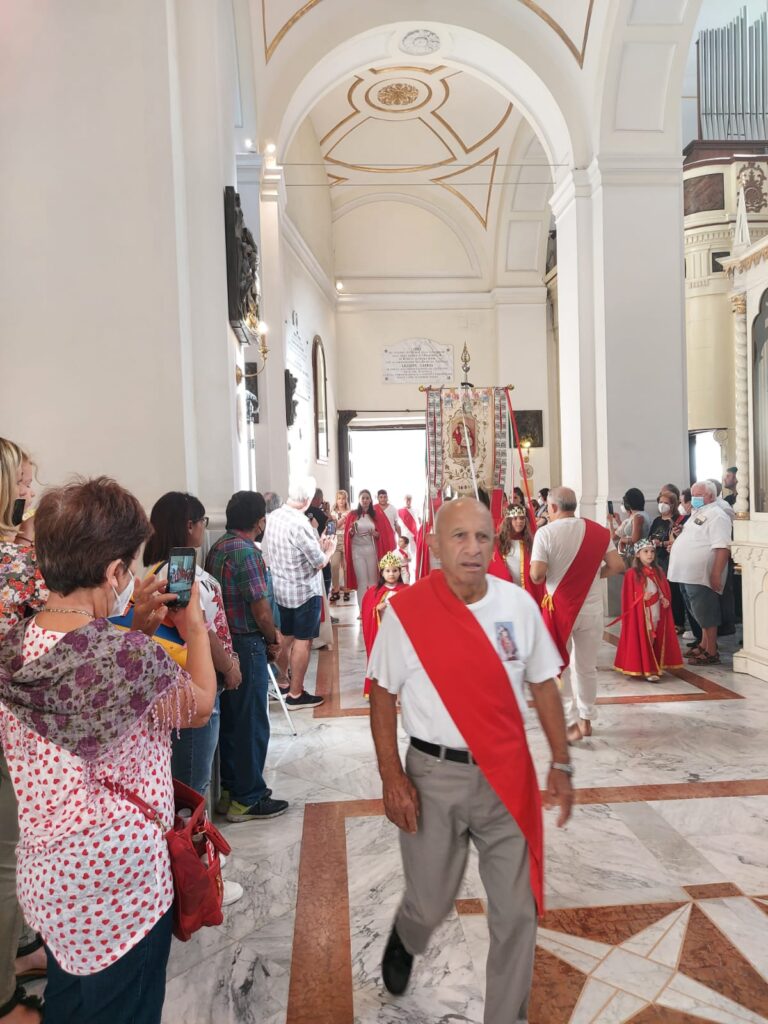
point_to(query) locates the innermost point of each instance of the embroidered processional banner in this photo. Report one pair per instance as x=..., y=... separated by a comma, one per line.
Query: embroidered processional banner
x=466, y=432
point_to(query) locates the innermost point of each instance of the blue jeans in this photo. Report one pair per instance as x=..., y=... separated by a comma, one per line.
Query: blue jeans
x=192, y=753
x=129, y=991
x=244, y=733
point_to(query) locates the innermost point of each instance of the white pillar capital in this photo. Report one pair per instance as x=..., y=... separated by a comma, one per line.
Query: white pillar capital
x=249, y=168
x=273, y=184
x=577, y=184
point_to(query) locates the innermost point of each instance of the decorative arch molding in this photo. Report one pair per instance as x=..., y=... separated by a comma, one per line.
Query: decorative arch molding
x=424, y=204
x=565, y=140
x=577, y=47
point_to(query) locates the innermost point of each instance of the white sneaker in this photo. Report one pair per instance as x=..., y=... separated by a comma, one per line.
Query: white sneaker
x=232, y=893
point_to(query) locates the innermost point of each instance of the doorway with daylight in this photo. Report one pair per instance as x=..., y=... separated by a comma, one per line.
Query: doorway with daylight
x=388, y=452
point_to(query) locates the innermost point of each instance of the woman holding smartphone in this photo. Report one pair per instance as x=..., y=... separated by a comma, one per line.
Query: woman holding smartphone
x=83, y=703
x=179, y=521
x=22, y=592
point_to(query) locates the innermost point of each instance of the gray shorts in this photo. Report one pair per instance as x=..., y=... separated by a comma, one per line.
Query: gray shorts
x=705, y=604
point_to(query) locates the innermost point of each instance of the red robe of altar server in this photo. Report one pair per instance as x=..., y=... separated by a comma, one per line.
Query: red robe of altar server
x=648, y=642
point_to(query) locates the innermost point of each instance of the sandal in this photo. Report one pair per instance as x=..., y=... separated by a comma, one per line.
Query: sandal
x=33, y=973
x=20, y=998
x=705, y=659
x=334, y=596
x=346, y=595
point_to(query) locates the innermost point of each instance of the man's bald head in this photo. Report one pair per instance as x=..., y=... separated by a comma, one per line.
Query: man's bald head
x=562, y=502
x=462, y=509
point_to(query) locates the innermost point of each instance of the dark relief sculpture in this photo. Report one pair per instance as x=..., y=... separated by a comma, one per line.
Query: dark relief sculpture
x=291, y=403
x=243, y=289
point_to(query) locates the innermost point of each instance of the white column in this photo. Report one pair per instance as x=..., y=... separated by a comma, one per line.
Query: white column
x=741, y=379
x=640, y=324
x=572, y=207
x=622, y=338
x=521, y=332
x=274, y=436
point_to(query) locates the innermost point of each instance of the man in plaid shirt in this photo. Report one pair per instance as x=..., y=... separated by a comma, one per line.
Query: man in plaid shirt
x=296, y=557
x=237, y=564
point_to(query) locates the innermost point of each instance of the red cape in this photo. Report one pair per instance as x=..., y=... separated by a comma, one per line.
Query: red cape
x=371, y=619
x=640, y=652
x=384, y=543
x=560, y=609
x=453, y=647
x=499, y=567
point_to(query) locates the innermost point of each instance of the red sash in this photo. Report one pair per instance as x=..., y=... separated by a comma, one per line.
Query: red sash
x=498, y=567
x=561, y=608
x=408, y=520
x=454, y=649
x=371, y=620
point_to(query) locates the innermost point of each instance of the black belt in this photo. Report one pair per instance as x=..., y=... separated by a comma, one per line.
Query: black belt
x=443, y=753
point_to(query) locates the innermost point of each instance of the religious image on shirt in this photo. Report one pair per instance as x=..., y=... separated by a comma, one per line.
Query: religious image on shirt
x=505, y=641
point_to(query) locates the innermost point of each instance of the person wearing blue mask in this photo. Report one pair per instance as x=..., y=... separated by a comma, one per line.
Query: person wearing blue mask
x=699, y=562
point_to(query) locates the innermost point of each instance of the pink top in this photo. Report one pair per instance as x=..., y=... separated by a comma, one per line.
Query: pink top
x=93, y=874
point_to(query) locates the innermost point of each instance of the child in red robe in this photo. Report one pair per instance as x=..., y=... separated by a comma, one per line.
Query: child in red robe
x=648, y=643
x=376, y=600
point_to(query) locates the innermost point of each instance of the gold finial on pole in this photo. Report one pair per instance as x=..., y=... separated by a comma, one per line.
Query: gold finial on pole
x=465, y=361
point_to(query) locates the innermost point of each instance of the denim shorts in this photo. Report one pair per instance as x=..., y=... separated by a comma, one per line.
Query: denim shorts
x=302, y=623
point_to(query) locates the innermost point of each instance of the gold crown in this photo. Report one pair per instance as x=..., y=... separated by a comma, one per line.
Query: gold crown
x=514, y=510
x=390, y=561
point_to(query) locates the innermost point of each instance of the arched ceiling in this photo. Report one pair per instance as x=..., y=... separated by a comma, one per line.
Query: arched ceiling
x=411, y=127
x=568, y=19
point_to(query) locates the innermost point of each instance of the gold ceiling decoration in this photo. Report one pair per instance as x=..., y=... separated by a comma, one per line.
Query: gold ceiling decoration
x=404, y=101
x=398, y=94
x=271, y=45
x=578, y=52
x=492, y=159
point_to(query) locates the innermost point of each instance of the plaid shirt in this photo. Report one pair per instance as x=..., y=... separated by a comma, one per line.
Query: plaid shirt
x=238, y=566
x=293, y=553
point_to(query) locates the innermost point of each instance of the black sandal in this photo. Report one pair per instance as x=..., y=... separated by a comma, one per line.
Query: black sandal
x=20, y=998
x=26, y=950
x=346, y=595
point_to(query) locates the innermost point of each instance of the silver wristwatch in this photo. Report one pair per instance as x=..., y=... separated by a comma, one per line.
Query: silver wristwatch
x=567, y=768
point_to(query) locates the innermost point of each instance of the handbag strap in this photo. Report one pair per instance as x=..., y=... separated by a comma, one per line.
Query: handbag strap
x=146, y=809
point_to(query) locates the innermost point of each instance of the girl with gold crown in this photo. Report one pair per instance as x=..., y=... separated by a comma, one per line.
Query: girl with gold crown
x=512, y=552
x=376, y=600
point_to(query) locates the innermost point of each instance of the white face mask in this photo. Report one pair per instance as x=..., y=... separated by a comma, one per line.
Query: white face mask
x=123, y=599
x=681, y=510
x=664, y=508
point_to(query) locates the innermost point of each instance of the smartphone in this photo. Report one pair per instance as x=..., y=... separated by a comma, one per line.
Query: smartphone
x=18, y=511
x=330, y=528
x=181, y=575
x=610, y=508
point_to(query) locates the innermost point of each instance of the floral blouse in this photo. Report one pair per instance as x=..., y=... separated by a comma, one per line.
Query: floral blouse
x=22, y=588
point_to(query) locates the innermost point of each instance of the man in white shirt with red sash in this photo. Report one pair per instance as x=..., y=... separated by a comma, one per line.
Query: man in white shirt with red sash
x=461, y=650
x=572, y=555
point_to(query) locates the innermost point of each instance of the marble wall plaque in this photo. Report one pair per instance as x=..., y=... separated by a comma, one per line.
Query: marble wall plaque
x=299, y=362
x=418, y=361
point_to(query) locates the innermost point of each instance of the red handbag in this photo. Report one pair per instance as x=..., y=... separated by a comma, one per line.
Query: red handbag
x=195, y=847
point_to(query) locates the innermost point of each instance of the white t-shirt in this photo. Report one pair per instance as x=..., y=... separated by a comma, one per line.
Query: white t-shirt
x=693, y=553
x=557, y=544
x=391, y=513
x=526, y=648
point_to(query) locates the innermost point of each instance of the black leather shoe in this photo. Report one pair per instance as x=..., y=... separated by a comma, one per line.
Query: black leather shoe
x=396, y=965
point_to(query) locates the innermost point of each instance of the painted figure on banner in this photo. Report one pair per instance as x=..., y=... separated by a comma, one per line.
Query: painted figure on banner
x=463, y=430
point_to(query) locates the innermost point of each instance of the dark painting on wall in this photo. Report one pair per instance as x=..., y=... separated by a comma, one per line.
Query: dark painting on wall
x=530, y=427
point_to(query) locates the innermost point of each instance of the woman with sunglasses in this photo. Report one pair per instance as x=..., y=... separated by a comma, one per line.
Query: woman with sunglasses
x=179, y=521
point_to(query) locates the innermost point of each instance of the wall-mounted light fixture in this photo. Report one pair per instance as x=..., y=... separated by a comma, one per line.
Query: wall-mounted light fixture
x=261, y=330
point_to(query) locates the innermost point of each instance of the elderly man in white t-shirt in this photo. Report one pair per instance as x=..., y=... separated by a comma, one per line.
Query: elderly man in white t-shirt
x=699, y=562
x=462, y=651
x=556, y=555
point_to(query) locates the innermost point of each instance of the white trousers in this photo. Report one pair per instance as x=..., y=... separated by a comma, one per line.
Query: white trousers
x=579, y=682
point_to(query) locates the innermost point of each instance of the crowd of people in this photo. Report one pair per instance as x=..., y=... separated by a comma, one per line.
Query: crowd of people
x=105, y=680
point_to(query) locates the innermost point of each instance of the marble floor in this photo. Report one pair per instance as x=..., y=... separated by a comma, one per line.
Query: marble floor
x=657, y=890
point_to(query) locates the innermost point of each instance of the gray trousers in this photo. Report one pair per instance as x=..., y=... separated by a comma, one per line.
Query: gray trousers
x=458, y=804
x=11, y=921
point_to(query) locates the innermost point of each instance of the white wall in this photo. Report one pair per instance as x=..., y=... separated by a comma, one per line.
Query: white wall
x=363, y=335
x=316, y=316
x=308, y=202
x=96, y=307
